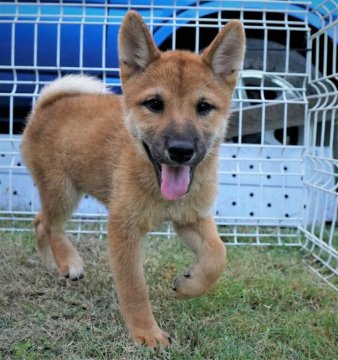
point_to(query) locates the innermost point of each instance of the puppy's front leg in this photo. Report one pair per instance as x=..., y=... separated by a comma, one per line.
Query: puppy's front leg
x=203, y=239
x=125, y=245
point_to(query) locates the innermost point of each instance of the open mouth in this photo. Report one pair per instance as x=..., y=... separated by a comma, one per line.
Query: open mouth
x=174, y=180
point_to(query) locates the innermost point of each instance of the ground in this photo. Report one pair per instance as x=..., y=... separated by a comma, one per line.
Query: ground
x=268, y=305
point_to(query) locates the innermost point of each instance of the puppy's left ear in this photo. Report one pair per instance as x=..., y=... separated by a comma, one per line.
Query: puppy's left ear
x=226, y=52
x=137, y=49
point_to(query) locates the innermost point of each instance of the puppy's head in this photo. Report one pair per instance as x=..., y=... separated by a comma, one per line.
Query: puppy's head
x=177, y=103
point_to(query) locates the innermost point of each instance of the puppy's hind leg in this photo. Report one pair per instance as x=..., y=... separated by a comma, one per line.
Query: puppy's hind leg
x=53, y=244
x=44, y=249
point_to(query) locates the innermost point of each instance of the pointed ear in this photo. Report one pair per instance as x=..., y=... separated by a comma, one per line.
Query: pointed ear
x=136, y=46
x=225, y=54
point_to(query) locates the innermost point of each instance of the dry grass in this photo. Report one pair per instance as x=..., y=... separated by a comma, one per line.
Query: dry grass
x=266, y=306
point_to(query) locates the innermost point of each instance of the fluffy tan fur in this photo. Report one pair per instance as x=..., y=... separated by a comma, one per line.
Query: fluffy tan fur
x=79, y=139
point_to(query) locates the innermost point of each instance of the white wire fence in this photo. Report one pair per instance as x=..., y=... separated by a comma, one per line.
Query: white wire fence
x=278, y=172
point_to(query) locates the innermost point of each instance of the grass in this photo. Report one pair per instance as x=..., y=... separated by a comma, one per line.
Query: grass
x=268, y=305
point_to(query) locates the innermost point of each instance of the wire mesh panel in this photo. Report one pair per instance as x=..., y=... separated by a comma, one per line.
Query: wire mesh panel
x=277, y=171
x=321, y=155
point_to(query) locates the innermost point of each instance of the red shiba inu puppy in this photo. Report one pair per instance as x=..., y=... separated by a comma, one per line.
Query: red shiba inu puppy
x=148, y=156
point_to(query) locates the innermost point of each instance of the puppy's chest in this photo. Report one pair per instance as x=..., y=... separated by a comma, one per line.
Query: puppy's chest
x=182, y=211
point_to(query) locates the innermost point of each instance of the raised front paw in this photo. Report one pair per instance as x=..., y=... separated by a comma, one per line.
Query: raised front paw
x=189, y=285
x=152, y=338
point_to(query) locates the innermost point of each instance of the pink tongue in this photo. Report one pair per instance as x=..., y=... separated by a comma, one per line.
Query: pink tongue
x=175, y=181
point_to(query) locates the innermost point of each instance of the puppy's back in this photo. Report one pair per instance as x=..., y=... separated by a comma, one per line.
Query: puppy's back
x=73, y=129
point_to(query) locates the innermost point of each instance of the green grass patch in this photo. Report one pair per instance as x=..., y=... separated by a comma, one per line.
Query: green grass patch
x=267, y=305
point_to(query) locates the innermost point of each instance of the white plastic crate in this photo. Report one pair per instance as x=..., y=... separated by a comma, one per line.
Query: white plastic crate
x=278, y=172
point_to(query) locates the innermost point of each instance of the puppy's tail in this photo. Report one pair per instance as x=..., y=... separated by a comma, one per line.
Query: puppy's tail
x=70, y=85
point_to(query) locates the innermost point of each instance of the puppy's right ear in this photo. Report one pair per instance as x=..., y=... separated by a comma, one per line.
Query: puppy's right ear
x=136, y=46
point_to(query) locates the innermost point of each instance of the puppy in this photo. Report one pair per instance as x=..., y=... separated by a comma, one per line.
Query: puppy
x=149, y=155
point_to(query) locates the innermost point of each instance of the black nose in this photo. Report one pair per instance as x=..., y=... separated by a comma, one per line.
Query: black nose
x=180, y=151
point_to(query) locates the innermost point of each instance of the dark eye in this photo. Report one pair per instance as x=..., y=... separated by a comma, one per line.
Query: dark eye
x=204, y=108
x=155, y=105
